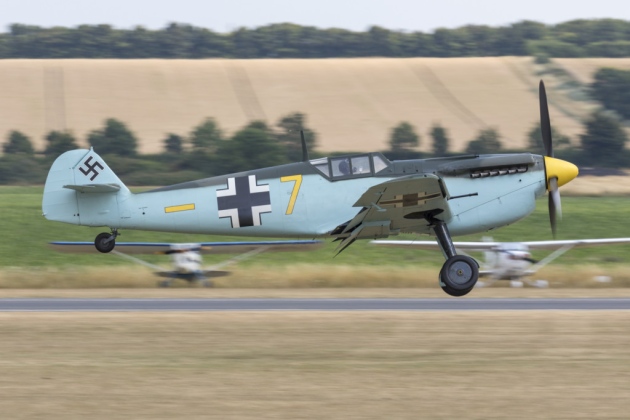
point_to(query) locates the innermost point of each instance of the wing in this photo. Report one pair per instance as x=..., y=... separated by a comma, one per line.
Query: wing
x=489, y=246
x=468, y=246
x=399, y=205
x=203, y=247
x=576, y=243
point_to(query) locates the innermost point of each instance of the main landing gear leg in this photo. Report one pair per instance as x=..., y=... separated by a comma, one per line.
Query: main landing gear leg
x=105, y=242
x=459, y=273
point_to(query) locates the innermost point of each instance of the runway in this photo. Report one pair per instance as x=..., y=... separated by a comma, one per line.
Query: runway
x=183, y=305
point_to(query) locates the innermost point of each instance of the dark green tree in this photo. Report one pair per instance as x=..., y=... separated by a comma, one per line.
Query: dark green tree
x=18, y=143
x=612, y=88
x=440, y=139
x=383, y=42
x=403, y=138
x=619, y=49
x=173, y=144
x=206, y=137
x=59, y=142
x=252, y=147
x=289, y=135
x=115, y=138
x=553, y=47
x=20, y=169
x=604, y=142
x=487, y=141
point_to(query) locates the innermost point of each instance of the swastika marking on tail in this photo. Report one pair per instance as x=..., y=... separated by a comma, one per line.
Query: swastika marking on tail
x=91, y=169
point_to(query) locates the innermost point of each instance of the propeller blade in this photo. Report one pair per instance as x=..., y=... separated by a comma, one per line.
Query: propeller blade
x=545, y=122
x=555, y=196
x=552, y=216
x=555, y=206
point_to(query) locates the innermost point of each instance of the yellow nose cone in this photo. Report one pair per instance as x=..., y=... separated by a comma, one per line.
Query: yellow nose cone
x=561, y=169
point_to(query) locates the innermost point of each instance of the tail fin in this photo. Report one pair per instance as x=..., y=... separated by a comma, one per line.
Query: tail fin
x=81, y=189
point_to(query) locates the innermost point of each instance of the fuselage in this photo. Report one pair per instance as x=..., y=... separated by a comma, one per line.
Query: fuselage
x=510, y=261
x=310, y=199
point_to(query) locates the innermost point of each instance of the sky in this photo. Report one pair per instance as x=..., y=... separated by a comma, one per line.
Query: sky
x=358, y=15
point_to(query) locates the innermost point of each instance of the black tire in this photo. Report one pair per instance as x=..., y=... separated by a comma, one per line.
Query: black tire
x=459, y=275
x=456, y=293
x=103, y=243
x=450, y=291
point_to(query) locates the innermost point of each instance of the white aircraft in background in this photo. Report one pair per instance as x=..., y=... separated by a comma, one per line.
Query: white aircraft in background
x=510, y=260
x=186, y=259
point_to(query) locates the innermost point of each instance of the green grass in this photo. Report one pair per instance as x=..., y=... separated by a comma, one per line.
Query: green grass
x=26, y=234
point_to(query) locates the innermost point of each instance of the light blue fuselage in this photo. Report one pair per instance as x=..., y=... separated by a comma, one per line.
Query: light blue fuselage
x=315, y=209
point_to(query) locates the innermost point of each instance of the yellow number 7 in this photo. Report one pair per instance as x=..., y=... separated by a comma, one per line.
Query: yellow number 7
x=296, y=190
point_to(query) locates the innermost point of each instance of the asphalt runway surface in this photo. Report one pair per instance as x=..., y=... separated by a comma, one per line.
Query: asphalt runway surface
x=263, y=304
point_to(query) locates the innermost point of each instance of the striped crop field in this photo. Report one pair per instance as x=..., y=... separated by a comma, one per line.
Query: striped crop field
x=351, y=103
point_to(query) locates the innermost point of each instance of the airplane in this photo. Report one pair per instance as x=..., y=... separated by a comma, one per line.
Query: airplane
x=510, y=260
x=187, y=259
x=360, y=196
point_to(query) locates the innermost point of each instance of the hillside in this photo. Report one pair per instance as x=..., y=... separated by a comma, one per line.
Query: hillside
x=351, y=103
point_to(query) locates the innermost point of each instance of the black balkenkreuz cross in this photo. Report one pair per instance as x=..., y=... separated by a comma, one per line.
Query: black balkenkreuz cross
x=91, y=169
x=243, y=201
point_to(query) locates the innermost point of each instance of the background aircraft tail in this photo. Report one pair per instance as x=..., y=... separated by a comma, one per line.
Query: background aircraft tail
x=81, y=189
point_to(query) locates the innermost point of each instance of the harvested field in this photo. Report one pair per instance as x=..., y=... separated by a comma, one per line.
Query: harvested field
x=517, y=365
x=298, y=276
x=598, y=186
x=352, y=103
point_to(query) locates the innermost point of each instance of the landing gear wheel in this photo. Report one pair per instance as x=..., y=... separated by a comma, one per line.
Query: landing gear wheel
x=459, y=275
x=105, y=242
x=450, y=291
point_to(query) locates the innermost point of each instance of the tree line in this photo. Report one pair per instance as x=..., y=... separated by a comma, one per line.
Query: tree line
x=576, y=38
x=602, y=144
x=204, y=152
x=207, y=151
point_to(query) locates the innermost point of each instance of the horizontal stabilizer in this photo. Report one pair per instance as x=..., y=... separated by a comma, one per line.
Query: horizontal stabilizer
x=187, y=276
x=202, y=247
x=95, y=188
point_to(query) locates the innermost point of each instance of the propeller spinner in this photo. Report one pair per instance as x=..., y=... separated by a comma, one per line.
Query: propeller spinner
x=557, y=172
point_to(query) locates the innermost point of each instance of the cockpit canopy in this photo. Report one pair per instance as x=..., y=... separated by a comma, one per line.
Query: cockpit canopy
x=351, y=166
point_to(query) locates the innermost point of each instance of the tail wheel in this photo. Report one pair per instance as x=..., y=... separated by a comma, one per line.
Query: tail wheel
x=105, y=242
x=459, y=275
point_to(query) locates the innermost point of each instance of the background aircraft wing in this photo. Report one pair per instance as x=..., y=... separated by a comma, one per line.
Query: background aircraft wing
x=575, y=243
x=202, y=247
x=489, y=246
x=468, y=246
